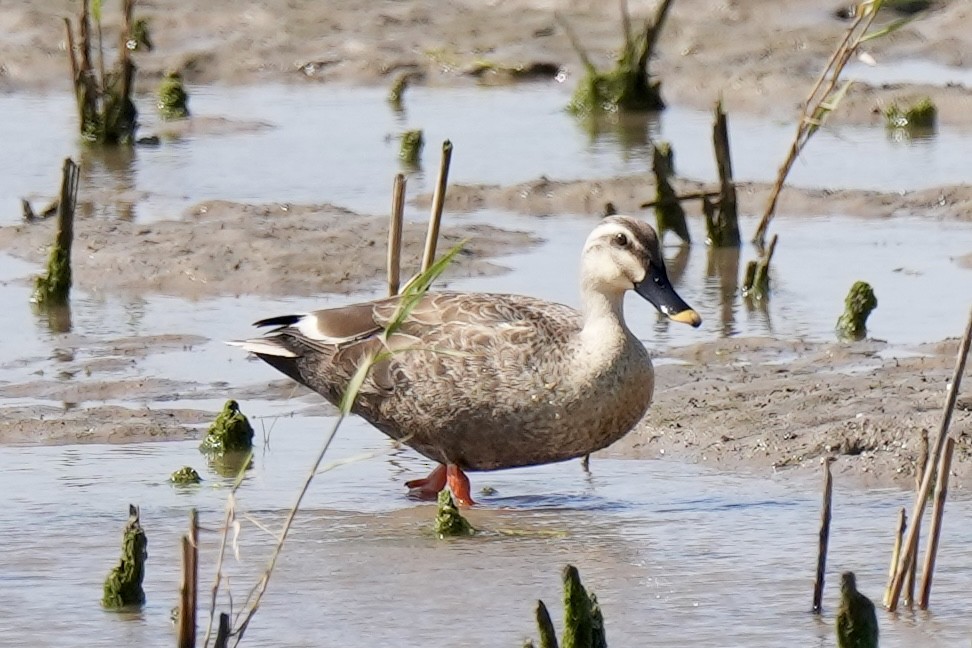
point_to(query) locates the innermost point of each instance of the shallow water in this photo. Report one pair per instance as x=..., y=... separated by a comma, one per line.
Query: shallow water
x=668, y=548
x=910, y=71
x=672, y=551
x=318, y=143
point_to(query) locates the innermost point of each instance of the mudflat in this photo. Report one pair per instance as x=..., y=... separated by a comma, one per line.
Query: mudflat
x=743, y=404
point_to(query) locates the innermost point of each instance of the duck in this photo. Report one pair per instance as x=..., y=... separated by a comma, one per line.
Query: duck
x=484, y=381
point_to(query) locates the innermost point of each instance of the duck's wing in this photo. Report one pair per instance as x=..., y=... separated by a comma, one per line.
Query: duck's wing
x=479, y=320
x=323, y=348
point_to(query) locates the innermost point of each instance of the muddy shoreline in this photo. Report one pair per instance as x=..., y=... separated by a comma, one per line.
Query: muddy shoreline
x=761, y=57
x=750, y=405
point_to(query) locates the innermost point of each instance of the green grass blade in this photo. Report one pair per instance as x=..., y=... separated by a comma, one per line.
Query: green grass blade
x=410, y=297
x=417, y=287
x=890, y=28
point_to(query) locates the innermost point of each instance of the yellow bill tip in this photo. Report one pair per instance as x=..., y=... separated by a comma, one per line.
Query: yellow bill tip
x=687, y=316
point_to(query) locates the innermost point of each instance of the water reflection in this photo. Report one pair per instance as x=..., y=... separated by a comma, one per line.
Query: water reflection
x=112, y=170
x=230, y=463
x=721, y=284
x=55, y=317
x=632, y=132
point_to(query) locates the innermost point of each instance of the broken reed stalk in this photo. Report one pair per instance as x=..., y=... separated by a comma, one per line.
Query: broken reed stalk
x=821, y=100
x=931, y=550
x=896, y=551
x=669, y=215
x=54, y=288
x=921, y=499
x=105, y=110
x=438, y=201
x=909, y=587
x=190, y=581
x=395, y=236
x=911, y=577
x=756, y=283
x=682, y=198
x=823, y=539
x=223, y=633
x=545, y=627
x=722, y=224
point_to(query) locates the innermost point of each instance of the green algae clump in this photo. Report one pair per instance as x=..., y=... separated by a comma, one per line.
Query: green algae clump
x=185, y=475
x=856, y=622
x=123, y=586
x=396, y=93
x=173, y=98
x=583, y=620
x=920, y=118
x=858, y=305
x=411, y=147
x=55, y=286
x=449, y=523
x=230, y=432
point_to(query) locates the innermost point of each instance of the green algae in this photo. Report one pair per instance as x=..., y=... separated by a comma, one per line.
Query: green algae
x=185, y=475
x=230, y=432
x=578, y=618
x=583, y=620
x=410, y=150
x=628, y=86
x=123, y=586
x=545, y=627
x=396, y=93
x=173, y=100
x=856, y=621
x=858, y=304
x=55, y=286
x=449, y=522
x=919, y=118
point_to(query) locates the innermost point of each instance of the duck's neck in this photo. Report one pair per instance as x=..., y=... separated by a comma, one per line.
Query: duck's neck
x=603, y=318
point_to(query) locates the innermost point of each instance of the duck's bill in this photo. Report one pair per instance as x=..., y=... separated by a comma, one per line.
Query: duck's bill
x=657, y=289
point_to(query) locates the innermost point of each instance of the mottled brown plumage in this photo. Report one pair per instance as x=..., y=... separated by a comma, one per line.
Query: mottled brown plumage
x=489, y=381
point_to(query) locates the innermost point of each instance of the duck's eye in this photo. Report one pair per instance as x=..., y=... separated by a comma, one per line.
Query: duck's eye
x=621, y=240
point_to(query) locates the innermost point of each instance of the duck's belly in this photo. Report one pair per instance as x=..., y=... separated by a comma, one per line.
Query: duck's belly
x=545, y=425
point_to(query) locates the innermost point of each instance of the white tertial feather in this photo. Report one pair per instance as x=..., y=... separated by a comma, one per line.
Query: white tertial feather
x=264, y=346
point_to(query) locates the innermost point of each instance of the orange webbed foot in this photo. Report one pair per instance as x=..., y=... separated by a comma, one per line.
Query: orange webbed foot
x=428, y=488
x=459, y=485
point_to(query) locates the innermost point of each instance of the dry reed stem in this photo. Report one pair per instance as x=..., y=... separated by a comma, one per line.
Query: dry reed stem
x=698, y=195
x=395, y=236
x=815, y=102
x=931, y=551
x=896, y=551
x=190, y=580
x=922, y=498
x=227, y=524
x=438, y=201
x=261, y=587
x=824, y=537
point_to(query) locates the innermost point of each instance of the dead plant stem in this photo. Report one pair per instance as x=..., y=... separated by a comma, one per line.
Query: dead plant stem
x=922, y=497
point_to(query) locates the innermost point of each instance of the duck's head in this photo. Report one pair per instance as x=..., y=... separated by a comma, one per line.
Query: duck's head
x=621, y=254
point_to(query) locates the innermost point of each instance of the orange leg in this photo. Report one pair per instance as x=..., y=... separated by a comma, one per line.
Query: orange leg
x=459, y=485
x=428, y=488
